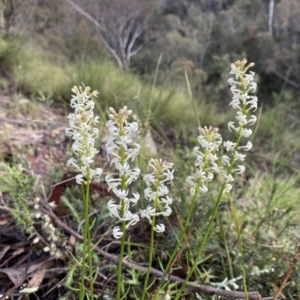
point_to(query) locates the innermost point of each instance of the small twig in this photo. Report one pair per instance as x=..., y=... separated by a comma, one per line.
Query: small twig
x=178, y=255
x=19, y=122
x=206, y=289
x=288, y=273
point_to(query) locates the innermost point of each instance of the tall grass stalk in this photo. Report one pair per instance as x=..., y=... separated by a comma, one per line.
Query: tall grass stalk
x=192, y=98
x=223, y=237
x=153, y=89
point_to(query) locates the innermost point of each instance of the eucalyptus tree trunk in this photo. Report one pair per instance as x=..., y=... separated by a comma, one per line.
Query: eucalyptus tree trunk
x=270, y=21
x=2, y=18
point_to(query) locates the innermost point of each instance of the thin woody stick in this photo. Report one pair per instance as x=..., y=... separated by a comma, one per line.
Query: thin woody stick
x=288, y=273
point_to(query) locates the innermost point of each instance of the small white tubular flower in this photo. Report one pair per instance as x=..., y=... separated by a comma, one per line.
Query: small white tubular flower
x=162, y=190
x=79, y=179
x=235, y=103
x=168, y=200
x=229, y=146
x=228, y=188
x=149, y=179
x=239, y=169
x=159, y=228
x=228, y=178
x=121, y=153
x=113, y=183
x=247, y=147
x=121, y=194
x=131, y=218
x=246, y=132
x=231, y=126
x=96, y=174
x=225, y=160
x=203, y=189
x=157, y=192
x=135, y=199
x=167, y=212
x=149, y=194
x=241, y=86
x=239, y=156
x=133, y=175
x=241, y=118
x=252, y=103
x=169, y=176
x=145, y=214
x=113, y=208
x=133, y=152
x=117, y=233
x=73, y=163
x=252, y=120
x=206, y=158
x=84, y=134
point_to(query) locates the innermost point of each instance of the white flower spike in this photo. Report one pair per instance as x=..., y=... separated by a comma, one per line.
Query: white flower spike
x=83, y=133
x=157, y=192
x=241, y=86
x=206, y=160
x=121, y=151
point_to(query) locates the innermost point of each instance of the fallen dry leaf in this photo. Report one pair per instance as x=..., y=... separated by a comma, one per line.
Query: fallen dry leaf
x=17, y=276
x=14, y=254
x=39, y=275
x=2, y=253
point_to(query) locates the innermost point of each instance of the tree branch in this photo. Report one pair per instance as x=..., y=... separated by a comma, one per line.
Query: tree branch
x=88, y=16
x=287, y=80
x=111, y=51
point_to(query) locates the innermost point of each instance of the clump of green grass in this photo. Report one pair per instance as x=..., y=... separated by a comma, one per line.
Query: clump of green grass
x=10, y=56
x=39, y=72
x=116, y=88
x=19, y=186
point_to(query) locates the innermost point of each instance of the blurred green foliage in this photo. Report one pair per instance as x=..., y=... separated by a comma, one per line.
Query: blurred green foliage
x=198, y=36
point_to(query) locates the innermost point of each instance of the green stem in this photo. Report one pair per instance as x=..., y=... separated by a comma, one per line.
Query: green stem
x=87, y=248
x=150, y=258
x=82, y=287
x=233, y=211
x=120, y=262
x=88, y=237
x=85, y=205
x=152, y=237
